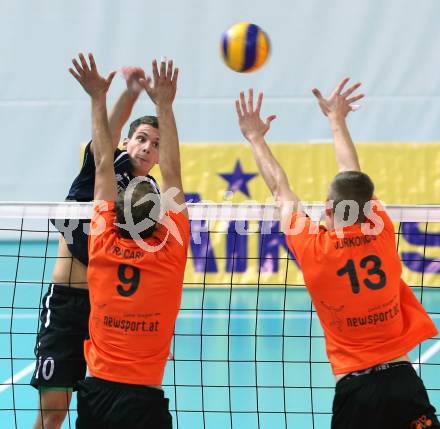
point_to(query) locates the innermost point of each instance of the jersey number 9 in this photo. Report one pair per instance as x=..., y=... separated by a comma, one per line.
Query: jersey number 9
x=130, y=276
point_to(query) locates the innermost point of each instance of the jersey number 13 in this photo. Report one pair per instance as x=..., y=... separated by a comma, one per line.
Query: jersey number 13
x=376, y=278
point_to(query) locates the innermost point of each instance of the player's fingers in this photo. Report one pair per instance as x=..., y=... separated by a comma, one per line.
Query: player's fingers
x=110, y=77
x=125, y=72
x=77, y=66
x=139, y=72
x=129, y=72
x=155, y=71
x=351, y=90
x=243, y=103
x=317, y=93
x=340, y=86
x=163, y=63
x=84, y=64
x=251, y=100
x=145, y=83
x=269, y=119
x=170, y=69
x=355, y=107
x=238, y=109
x=259, y=102
x=75, y=74
x=92, y=62
x=175, y=76
x=356, y=98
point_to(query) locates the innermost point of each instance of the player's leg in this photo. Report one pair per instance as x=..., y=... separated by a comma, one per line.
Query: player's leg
x=390, y=396
x=105, y=404
x=59, y=351
x=420, y=411
x=53, y=407
x=90, y=404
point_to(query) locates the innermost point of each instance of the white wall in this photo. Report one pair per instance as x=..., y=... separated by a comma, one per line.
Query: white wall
x=392, y=46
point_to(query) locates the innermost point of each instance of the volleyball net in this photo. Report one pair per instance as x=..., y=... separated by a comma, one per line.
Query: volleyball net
x=248, y=349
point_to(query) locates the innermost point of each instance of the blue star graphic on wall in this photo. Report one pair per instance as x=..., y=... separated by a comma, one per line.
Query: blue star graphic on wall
x=238, y=179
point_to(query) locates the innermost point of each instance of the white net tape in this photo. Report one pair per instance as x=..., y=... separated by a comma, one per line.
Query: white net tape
x=205, y=211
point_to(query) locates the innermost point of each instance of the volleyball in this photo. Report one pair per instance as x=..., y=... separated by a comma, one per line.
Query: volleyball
x=245, y=47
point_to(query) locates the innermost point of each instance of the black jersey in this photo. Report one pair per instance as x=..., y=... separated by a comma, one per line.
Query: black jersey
x=82, y=190
x=83, y=187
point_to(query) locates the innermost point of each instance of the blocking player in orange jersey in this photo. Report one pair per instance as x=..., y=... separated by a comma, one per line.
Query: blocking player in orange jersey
x=136, y=264
x=370, y=317
x=65, y=309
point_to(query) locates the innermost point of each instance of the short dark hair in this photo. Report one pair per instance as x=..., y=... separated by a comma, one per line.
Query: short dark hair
x=143, y=120
x=351, y=185
x=148, y=209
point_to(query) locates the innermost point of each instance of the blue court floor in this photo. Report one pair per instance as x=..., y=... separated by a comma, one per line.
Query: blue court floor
x=258, y=353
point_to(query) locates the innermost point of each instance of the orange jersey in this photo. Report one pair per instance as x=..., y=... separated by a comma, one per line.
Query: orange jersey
x=135, y=296
x=368, y=313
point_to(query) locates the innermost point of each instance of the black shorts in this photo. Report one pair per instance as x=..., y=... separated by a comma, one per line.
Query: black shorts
x=59, y=345
x=389, y=396
x=109, y=405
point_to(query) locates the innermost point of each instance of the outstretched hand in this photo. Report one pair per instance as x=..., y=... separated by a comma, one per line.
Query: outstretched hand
x=339, y=104
x=251, y=125
x=132, y=76
x=87, y=75
x=162, y=87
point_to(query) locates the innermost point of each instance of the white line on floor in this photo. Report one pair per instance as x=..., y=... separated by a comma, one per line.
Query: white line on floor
x=17, y=377
x=427, y=355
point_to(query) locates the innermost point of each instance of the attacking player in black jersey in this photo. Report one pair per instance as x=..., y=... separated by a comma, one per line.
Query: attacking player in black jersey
x=65, y=307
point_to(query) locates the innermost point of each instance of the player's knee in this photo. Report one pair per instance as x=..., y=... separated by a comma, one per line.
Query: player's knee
x=53, y=419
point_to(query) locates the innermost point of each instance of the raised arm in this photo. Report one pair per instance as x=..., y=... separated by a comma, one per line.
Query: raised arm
x=254, y=129
x=161, y=88
x=336, y=108
x=123, y=107
x=97, y=86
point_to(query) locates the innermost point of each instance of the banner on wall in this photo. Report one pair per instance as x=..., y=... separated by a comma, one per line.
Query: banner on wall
x=402, y=173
